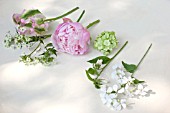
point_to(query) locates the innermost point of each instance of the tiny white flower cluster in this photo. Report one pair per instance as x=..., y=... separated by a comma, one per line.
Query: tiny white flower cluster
x=17, y=41
x=125, y=86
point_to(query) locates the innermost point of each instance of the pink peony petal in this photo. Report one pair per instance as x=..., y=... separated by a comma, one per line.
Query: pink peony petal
x=66, y=20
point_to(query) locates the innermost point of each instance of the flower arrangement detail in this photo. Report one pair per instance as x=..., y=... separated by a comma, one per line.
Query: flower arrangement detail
x=73, y=38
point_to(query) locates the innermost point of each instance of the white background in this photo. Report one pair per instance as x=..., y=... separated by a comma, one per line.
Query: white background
x=64, y=88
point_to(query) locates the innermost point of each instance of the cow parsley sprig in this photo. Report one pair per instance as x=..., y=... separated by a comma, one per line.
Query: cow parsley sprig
x=18, y=41
x=46, y=58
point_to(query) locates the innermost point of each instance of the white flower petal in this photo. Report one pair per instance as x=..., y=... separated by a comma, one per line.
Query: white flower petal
x=127, y=86
x=143, y=93
x=124, y=80
x=109, y=90
x=114, y=73
x=115, y=103
x=121, y=90
x=99, y=62
x=113, y=96
x=140, y=86
x=119, y=107
x=103, y=88
x=114, y=67
x=115, y=88
x=123, y=100
x=137, y=92
x=124, y=105
x=109, y=100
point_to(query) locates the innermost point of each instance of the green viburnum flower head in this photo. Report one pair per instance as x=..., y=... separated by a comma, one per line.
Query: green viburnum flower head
x=106, y=42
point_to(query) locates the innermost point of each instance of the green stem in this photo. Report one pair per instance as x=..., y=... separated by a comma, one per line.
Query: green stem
x=81, y=16
x=113, y=57
x=56, y=18
x=93, y=23
x=142, y=58
x=35, y=49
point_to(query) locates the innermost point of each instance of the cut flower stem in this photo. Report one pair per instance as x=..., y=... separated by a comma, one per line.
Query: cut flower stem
x=35, y=49
x=114, y=57
x=93, y=23
x=61, y=16
x=81, y=16
x=142, y=58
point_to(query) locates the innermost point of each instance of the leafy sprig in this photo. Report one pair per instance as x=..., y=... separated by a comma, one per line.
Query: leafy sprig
x=99, y=64
x=47, y=57
x=18, y=41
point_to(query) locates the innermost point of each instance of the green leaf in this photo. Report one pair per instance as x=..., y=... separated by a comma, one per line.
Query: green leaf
x=49, y=45
x=30, y=13
x=129, y=67
x=42, y=41
x=28, y=25
x=97, y=86
x=136, y=81
x=39, y=30
x=104, y=58
x=52, y=50
x=40, y=21
x=92, y=71
x=98, y=83
x=88, y=76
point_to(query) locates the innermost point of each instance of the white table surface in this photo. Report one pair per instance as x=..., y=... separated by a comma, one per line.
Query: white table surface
x=64, y=88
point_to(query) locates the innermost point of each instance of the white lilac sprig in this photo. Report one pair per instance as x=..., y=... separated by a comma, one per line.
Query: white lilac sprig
x=106, y=42
x=124, y=86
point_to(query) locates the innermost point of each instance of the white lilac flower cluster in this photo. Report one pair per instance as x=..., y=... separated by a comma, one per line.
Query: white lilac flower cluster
x=125, y=86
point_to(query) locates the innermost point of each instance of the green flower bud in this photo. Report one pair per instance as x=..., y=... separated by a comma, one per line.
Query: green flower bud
x=106, y=42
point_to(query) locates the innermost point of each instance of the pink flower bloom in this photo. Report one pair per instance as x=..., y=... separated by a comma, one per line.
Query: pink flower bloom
x=32, y=25
x=71, y=37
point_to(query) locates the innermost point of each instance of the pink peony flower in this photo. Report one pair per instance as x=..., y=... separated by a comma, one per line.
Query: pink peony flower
x=30, y=22
x=71, y=37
